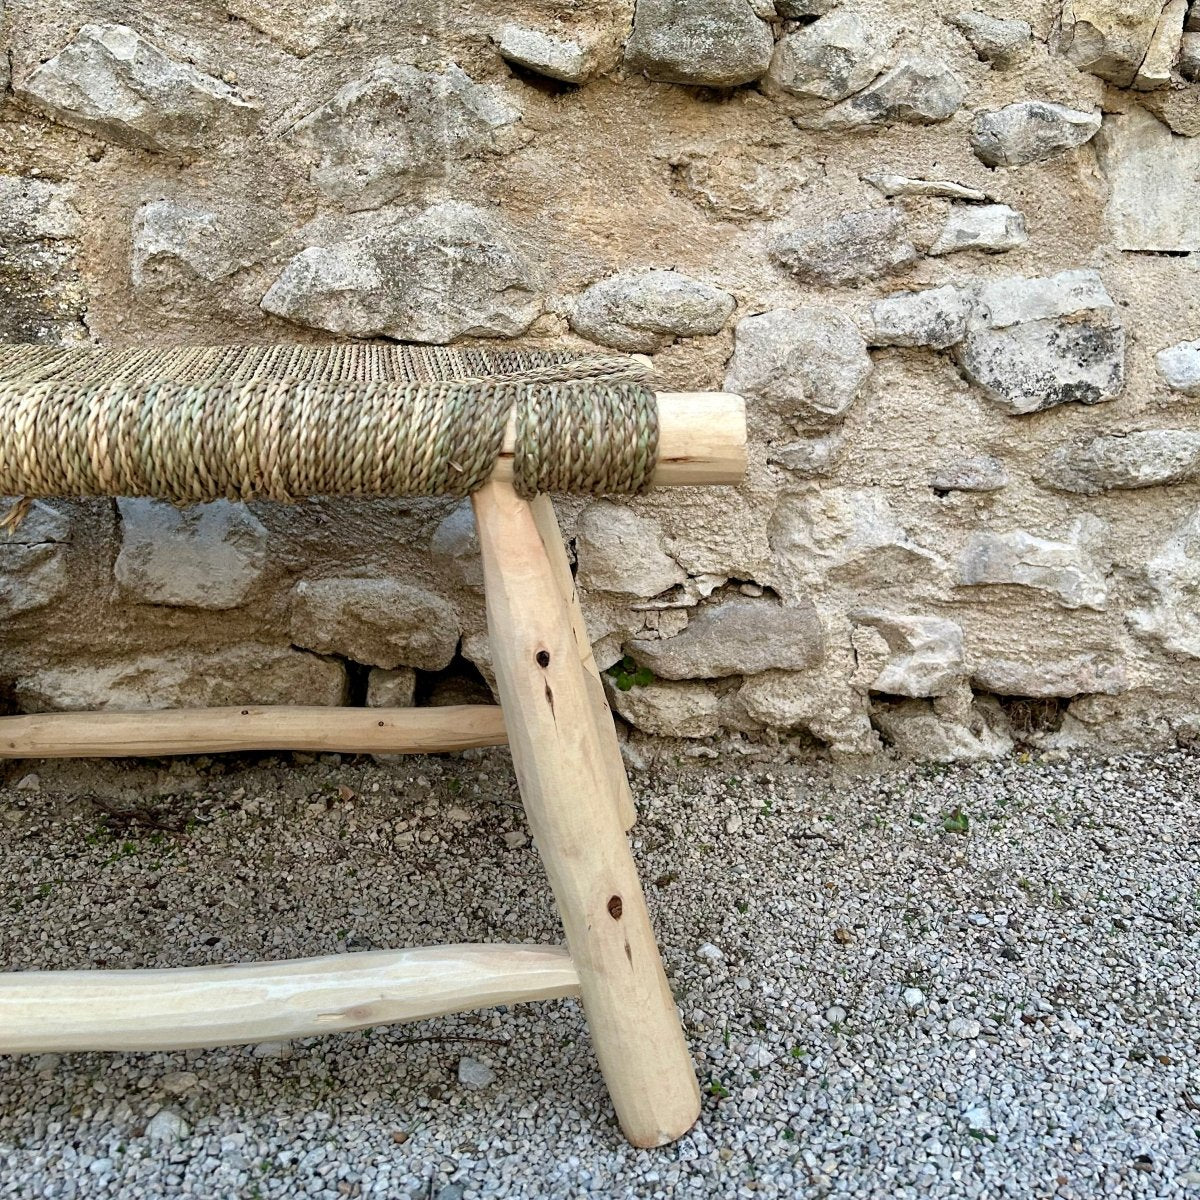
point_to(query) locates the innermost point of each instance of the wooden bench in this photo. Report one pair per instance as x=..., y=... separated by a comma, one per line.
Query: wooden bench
x=281, y=423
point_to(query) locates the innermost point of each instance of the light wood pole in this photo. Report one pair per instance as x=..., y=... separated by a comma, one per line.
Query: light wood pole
x=562, y=752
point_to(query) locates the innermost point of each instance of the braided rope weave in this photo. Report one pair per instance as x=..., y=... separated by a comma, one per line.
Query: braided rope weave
x=279, y=423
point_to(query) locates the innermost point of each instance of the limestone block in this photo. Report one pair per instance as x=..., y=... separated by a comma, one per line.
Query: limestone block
x=1030, y=131
x=1044, y=677
x=996, y=40
x=1037, y=343
x=849, y=249
x=919, y=731
x=569, y=59
x=1179, y=367
x=299, y=26
x=807, y=365
x=992, y=228
x=391, y=689
x=736, y=637
x=620, y=551
x=976, y=473
x=1154, y=184
x=111, y=82
x=919, y=90
x=847, y=535
x=179, y=245
x=33, y=568
x=709, y=43
x=925, y=653
x=1170, y=615
x=184, y=678
x=447, y=273
x=641, y=312
x=204, y=556
x=688, y=710
x=830, y=59
x=1109, y=38
x=1164, y=48
x=1062, y=570
x=1149, y=458
x=380, y=136
x=936, y=318
x=379, y=622
x=455, y=545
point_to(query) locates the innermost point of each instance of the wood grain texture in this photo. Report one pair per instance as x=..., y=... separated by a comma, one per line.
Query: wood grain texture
x=253, y=727
x=559, y=752
x=191, y=1007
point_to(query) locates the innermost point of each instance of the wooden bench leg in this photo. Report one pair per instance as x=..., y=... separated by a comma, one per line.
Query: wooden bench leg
x=559, y=753
x=551, y=535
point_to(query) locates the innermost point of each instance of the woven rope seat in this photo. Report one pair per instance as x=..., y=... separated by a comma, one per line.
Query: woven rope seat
x=283, y=422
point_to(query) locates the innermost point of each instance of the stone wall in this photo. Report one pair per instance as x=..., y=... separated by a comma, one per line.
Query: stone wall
x=948, y=257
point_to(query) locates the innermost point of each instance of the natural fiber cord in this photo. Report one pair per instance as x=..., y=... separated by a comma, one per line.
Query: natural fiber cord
x=283, y=422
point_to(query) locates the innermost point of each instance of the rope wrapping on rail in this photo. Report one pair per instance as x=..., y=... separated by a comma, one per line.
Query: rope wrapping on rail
x=281, y=423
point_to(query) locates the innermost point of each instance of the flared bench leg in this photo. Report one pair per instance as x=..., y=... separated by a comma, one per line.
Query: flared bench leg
x=562, y=752
x=547, y=525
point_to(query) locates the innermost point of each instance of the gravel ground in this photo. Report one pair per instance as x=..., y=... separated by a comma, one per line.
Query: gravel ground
x=919, y=982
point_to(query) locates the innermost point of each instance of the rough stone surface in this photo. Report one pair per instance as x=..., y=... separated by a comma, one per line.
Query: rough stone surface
x=42, y=298
x=1108, y=38
x=834, y=57
x=853, y=248
x=378, y=138
x=391, y=689
x=996, y=40
x=736, y=637
x=993, y=228
x=710, y=43
x=448, y=273
x=1049, y=678
x=205, y=556
x=455, y=545
x=686, y=710
x=919, y=90
x=570, y=60
x=924, y=655
x=979, y=473
x=299, y=26
x=641, y=312
x=1161, y=54
x=795, y=700
x=892, y=416
x=113, y=83
x=1189, y=57
x=1124, y=462
x=620, y=551
x=936, y=318
x=177, y=244
x=1171, y=613
x=739, y=182
x=917, y=730
x=1030, y=131
x=1035, y=344
x=846, y=535
x=1062, y=570
x=242, y=674
x=1180, y=367
x=378, y=622
x=33, y=568
x=906, y=185
x=807, y=364
x=1154, y=184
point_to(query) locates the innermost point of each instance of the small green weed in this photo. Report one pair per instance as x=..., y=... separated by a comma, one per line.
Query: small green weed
x=628, y=674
